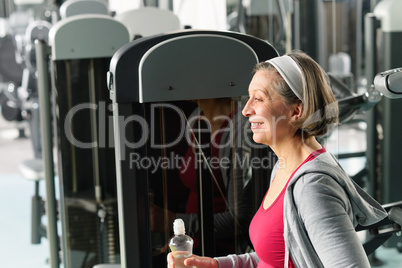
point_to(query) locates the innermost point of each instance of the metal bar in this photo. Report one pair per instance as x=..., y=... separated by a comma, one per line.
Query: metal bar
x=164, y=178
x=358, y=37
x=205, y=195
x=36, y=215
x=240, y=17
x=94, y=133
x=350, y=155
x=372, y=135
x=370, y=54
x=296, y=25
x=321, y=47
x=47, y=151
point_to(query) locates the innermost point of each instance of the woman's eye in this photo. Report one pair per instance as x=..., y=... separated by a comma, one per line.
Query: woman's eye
x=257, y=99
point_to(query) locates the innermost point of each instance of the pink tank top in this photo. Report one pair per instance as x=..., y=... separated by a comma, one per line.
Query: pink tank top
x=266, y=229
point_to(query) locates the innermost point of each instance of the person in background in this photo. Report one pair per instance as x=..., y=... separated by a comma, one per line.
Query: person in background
x=214, y=125
x=310, y=211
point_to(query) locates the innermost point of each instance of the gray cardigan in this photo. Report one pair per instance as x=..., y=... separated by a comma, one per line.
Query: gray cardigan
x=322, y=207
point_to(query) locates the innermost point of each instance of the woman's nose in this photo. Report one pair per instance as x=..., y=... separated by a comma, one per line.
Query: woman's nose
x=247, y=111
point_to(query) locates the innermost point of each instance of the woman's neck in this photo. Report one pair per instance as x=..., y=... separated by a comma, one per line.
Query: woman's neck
x=293, y=152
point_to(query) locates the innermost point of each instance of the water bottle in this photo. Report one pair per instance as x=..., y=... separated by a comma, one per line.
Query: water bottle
x=181, y=244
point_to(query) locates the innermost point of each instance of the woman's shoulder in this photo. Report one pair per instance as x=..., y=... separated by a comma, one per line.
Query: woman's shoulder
x=323, y=167
x=322, y=175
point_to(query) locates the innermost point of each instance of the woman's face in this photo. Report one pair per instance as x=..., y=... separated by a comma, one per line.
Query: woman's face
x=268, y=115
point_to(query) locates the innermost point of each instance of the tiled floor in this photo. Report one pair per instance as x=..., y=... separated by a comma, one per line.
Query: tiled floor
x=15, y=205
x=16, y=251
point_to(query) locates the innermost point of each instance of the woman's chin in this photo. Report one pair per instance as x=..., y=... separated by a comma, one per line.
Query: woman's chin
x=258, y=138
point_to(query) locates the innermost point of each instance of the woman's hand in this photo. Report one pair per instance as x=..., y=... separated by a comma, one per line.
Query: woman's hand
x=194, y=261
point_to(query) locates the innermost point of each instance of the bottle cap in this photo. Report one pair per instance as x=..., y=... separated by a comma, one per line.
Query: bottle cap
x=178, y=227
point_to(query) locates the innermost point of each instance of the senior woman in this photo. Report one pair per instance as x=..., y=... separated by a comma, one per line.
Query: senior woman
x=309, y=213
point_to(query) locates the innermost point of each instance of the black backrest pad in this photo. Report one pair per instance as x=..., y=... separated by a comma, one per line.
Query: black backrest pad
x=187, y=64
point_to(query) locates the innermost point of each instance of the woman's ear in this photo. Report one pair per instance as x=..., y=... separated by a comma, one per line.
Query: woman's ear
x=297, y=110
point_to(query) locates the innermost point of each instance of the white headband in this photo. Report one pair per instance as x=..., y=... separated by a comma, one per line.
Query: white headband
x=291, y=72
